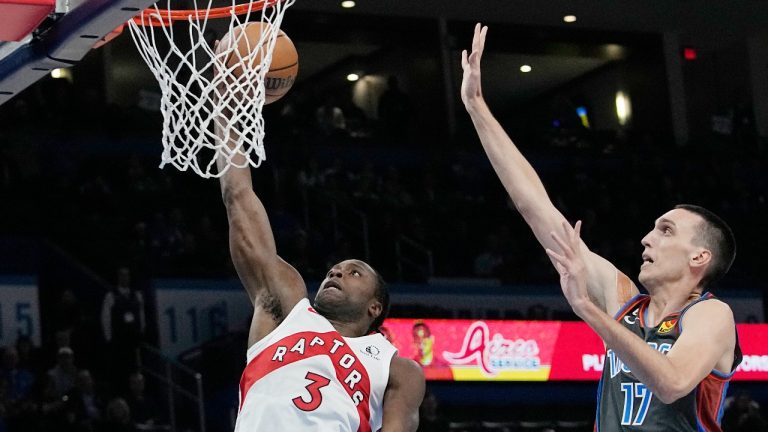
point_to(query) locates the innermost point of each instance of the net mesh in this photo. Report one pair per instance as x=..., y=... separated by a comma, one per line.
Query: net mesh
x=203, y=98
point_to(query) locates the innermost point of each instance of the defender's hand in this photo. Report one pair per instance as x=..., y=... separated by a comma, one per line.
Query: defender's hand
x=570, y=265
x=470, y=63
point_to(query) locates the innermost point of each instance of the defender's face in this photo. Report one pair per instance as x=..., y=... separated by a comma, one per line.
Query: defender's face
x=348, y=284
x=669, y=248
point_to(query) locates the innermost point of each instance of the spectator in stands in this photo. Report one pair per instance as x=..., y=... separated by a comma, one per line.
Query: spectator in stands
x=19, y=378
x=84, y=406
x=72, y=330
x=64, y=374
x=310, y=175
x=67, y=314
x=117, y=417
x=143, y=408
x=330, y=118
x=355, y=119
x=123, y=324
x=742, y=414
x=51, y=406
x=61, y=339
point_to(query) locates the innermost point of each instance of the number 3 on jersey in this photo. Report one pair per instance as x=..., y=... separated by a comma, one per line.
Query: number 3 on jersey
x=632, y=391
x=315, y=397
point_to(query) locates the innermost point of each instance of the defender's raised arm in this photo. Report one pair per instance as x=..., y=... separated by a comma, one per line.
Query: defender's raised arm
x=524, y=186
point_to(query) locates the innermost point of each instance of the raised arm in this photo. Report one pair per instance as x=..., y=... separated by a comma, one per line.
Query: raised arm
x=273, y=285
x=405, y=391
x=526, y=189
x=707, y=343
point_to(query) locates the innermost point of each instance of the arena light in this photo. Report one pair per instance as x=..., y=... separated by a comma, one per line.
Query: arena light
x=569, y=18
x=61, y=73
x=348, y=4
x=583, y=114
x=353, y=77
x=623, y=107
x=689, y=53
x=525, y=68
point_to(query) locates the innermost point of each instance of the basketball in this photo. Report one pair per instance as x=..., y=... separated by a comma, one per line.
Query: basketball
x=285, y=60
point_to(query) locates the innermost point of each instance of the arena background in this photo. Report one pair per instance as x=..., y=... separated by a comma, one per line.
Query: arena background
x=385, y=168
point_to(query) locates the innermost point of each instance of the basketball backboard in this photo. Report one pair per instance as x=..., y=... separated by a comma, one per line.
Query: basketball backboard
x=63, y=38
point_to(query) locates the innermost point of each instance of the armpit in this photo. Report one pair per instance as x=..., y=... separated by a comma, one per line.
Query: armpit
x=271, y=304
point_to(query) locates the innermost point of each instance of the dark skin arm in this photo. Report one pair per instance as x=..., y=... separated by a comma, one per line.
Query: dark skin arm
x=405, y=391
x=273, y=285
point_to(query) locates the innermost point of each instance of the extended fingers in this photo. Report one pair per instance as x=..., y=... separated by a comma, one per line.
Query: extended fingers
x=478, y=42
x=573, y=234
x=559, y=259
x=576, y=235
x=565, y=247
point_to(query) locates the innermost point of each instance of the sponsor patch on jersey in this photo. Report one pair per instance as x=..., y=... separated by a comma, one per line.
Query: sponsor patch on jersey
x=667, y=326
x=372, y=351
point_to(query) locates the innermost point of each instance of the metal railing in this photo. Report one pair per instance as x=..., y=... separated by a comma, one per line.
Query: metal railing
x=412, y=255
x=177, y=380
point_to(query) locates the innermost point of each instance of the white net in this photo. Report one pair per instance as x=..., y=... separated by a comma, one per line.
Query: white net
x=200, y=93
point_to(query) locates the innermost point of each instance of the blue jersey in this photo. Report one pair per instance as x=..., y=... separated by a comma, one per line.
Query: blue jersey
x=626, y=404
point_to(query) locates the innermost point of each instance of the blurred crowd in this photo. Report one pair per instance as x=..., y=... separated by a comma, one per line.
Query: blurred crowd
x=95, y=188
x=85, y=377
x=45, y=389
x=172, y=224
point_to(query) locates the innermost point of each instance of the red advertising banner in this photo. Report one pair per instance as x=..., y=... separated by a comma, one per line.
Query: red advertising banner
x=494, y=350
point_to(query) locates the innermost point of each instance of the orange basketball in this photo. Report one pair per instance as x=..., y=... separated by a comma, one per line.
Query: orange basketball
x=285, y=60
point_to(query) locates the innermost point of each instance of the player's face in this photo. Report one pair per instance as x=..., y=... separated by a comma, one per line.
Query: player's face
x=348, y=289
x=669, y=248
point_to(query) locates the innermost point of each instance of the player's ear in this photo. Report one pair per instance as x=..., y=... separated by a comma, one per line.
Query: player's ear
x=375, y=309
x=701, y=258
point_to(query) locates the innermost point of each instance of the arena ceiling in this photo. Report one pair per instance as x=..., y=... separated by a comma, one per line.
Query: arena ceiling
x=708, y=19
x=331, y=40
x=524, y=31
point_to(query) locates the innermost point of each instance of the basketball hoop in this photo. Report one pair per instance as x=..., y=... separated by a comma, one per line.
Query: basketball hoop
x=199, y=90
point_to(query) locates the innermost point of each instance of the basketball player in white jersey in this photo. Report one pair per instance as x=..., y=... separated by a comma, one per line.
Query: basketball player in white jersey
x=657, y=376
x=321, y=368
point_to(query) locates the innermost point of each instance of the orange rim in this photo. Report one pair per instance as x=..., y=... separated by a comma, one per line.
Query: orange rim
x=165, y=17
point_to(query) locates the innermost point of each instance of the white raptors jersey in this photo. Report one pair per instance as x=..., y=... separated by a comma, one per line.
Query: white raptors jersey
x=304, y=376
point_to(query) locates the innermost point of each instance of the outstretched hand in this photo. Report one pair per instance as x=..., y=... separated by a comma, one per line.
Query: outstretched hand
x=470, y=63
x=570, y=264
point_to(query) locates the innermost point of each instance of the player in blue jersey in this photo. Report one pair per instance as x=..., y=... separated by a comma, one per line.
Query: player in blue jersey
x=670, y=354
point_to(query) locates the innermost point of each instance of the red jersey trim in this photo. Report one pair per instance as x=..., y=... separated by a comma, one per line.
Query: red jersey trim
x=710, y=395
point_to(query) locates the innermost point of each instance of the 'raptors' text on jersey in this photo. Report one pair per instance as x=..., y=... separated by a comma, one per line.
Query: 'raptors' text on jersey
x=305, y=376
x=626, y=404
